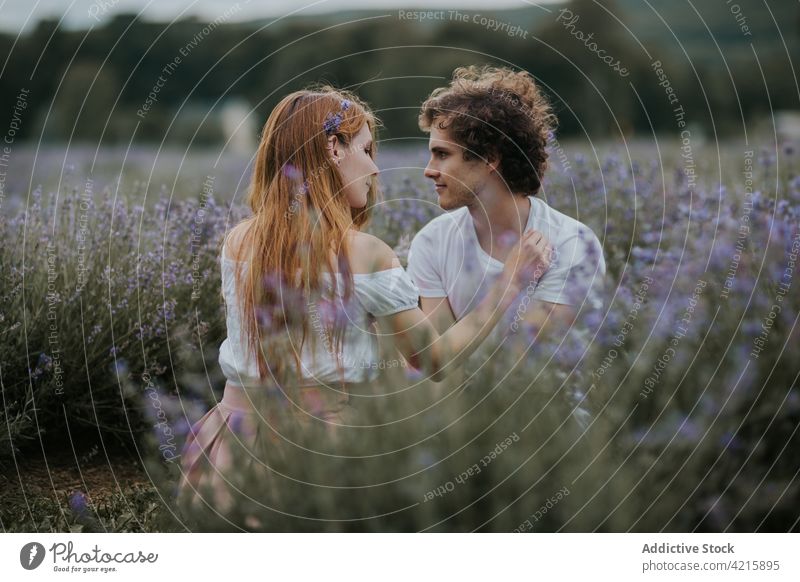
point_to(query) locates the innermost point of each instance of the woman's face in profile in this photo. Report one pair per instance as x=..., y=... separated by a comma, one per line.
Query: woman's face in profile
x=356, y=167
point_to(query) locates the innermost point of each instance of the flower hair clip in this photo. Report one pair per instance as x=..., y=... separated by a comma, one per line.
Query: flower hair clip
x=334, y=120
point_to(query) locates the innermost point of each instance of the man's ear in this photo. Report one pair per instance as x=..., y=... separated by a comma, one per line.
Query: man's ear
x=493, y=161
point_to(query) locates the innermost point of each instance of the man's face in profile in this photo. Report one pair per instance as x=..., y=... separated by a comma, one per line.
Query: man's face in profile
x=458, y=182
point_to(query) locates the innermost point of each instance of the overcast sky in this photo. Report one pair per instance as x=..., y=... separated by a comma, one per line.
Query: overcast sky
x=20, y=15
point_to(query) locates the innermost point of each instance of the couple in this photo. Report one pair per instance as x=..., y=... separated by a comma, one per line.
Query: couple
x=313, y=186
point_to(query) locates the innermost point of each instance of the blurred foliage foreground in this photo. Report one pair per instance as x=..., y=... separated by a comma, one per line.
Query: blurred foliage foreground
x=111, y=318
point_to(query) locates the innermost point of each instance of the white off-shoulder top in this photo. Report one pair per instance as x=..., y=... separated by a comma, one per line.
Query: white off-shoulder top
x=375, y=295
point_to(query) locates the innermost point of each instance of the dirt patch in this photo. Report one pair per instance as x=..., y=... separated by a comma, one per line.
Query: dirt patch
x=98, y=480
x=37, y=492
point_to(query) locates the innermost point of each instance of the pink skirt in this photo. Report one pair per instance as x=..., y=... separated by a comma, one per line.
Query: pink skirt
x=234, y=426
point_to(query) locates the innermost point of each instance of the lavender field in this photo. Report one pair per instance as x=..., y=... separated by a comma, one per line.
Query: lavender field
x=112, y=316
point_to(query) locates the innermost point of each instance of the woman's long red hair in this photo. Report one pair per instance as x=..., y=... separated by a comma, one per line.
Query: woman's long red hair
x=300, y=221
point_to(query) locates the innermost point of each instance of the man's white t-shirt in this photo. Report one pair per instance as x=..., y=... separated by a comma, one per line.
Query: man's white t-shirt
x=446, y=260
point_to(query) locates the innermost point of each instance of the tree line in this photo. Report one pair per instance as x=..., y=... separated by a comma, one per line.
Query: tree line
x=727, y=67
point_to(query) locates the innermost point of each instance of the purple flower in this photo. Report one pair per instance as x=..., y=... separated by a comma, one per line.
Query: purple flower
x=593, y=319
x=643, y=254
x=235, y=423
x=78, y=503
x=292, y=172
x=121, y=367
x=264, y=317
x=413, y=375
x=45, y=362
x=330, y=313
x=651, y=237
x=688, y=430
x=332, y=123
x=730, y=441
x=181, y=427
x=793, y=400
x=425, y=458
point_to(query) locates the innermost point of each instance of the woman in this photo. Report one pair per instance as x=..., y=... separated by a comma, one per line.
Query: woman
x=301, y=279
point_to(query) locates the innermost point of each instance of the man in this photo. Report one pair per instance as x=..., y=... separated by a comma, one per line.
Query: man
x=488, y=133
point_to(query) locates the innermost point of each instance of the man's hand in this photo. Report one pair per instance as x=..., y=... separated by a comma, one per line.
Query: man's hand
x=528, y=260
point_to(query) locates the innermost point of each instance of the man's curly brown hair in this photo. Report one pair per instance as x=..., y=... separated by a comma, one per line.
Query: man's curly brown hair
x=495, y=113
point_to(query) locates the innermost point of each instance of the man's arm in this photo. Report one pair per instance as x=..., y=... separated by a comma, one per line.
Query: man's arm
x=550, y=317
x=440, y=314
x=438, y=311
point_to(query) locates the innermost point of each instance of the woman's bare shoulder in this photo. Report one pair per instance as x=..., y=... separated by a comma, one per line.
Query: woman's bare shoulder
x=235, y=239
x=369, y=254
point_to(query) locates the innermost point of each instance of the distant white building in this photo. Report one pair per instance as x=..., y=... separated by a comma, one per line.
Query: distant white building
x=238, y=125
x=787, y=125
x=203, y=123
